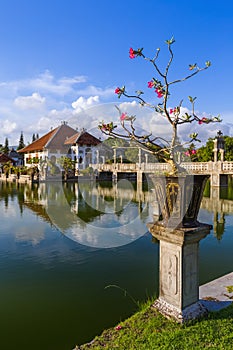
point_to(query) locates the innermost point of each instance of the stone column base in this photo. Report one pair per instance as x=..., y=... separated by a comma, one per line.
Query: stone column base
x=191, y=312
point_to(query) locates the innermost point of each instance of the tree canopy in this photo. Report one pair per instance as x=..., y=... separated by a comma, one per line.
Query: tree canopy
x=205, y=153
x=21, y=142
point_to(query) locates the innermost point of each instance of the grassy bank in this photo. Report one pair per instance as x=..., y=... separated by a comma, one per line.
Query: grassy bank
x=149, y=330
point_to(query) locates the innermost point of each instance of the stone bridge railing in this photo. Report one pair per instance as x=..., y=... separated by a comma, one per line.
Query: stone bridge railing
x=192, y=167
x=214, y=169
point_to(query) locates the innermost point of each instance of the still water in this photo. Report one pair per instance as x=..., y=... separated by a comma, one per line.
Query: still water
x=62, y=246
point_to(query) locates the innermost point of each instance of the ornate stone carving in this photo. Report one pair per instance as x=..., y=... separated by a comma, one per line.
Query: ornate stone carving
x=191, y=312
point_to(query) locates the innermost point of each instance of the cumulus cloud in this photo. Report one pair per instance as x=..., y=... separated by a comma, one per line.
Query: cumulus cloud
x=83, y=103
x=7, y=127
x=34, y=101
x=91, y=90
x=43, y=101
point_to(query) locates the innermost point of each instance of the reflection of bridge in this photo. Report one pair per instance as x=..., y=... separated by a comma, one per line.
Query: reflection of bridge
x=219, y=208
x=125, y=193
x=218, y=170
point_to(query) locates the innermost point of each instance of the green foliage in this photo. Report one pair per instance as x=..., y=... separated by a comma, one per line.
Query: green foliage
x=66, y=163
x=21, y=142
x=205, y=153
x=6, y=146
x=115, y=142
x=229, y=289
x=149, y=330
x=228, y=148
x=131, y=154
x=34, y=160
x=87, y=171
x=7, y=167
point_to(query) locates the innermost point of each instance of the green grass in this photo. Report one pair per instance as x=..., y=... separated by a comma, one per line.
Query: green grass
x=149, y=330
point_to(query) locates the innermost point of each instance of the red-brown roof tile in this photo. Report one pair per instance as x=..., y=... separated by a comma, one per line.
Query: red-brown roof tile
x=4, y=158
x=83, y=139
x=39, y=144
x=53, y=140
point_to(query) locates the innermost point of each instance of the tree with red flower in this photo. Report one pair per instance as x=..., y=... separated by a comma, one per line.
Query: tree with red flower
x=175, y=117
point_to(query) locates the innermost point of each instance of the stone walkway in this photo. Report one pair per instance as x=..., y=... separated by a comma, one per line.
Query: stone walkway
x=217, y=294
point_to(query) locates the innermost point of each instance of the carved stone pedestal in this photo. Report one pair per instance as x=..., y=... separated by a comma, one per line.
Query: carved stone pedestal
x=179, y=277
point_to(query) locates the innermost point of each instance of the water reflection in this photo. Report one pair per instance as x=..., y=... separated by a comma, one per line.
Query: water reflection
x=49, y=279
x=218, y=201
x=99, y=215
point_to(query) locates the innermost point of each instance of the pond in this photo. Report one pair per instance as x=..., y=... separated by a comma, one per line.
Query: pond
x=75, y=258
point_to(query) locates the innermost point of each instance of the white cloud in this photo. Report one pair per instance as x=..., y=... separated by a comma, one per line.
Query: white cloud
x=47, y=82
x=44, y=82
x=7, y=127
x=91, y=90
x=83, y=103
x=34, y=101
x=36, y=104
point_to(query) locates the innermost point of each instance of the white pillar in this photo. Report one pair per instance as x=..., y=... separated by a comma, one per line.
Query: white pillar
x=139, y=157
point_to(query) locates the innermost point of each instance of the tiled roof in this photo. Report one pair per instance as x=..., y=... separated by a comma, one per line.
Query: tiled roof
x=57, y=141
x=53, y=140
x=4, y=158
x=83, y=139
x=39, y=144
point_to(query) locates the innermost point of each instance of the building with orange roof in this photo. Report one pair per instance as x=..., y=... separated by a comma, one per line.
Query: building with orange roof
x=81, y=147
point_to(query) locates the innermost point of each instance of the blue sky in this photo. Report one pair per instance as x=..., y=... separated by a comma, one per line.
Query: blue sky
x=61, y=60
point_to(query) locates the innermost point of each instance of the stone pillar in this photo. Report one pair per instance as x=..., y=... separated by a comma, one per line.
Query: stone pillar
x=215, y=150
x=215, y=179
x=222, y=154
x=97, y=156
x=139, y=180
x=114, y=155
x=139, y=157
x=214, y=193
x=114, y=176
x=139, y=176
x=179, y=275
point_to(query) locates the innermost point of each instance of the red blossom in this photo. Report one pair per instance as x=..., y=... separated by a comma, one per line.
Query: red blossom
x=131, y=53
x=103, y=127
x=123, y=116
x=174, y=110
x=159, y=93
x=150, y=84
x=118, y=328
x=117, y=91
x=203, y=120
x=190, y=152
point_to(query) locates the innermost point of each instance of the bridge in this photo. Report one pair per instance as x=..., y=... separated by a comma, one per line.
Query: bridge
x=218, y=170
